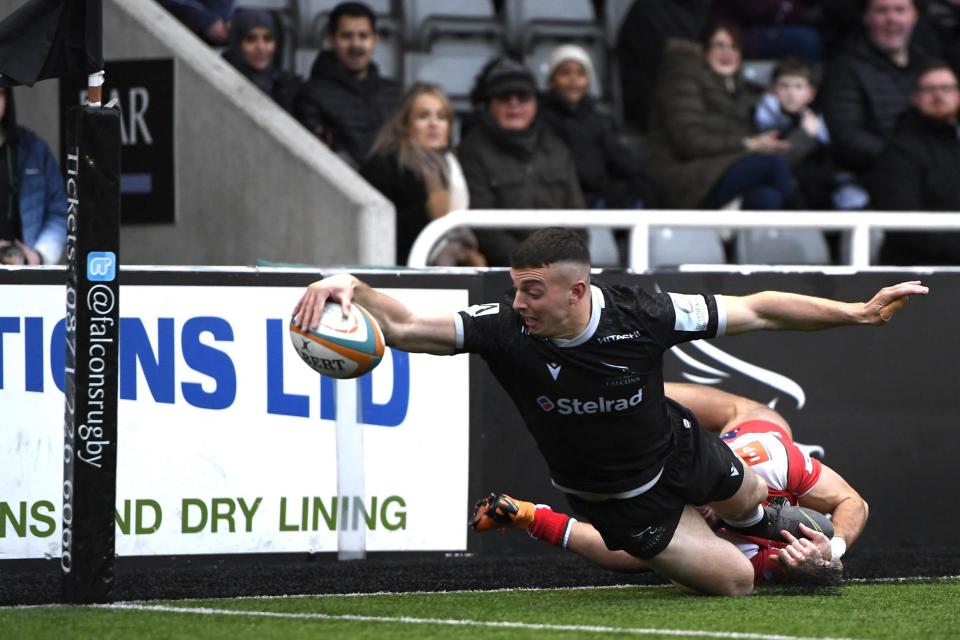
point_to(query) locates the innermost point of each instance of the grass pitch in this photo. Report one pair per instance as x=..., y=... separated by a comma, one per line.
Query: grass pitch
x=925, y=609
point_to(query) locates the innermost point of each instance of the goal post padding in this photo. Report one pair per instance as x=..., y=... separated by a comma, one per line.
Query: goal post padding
x=92, y=167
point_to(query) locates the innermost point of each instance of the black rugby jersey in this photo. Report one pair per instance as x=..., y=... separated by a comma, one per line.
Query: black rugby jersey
x=595, y=403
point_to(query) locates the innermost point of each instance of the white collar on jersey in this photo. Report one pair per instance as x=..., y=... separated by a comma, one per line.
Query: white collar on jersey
x=591, y=327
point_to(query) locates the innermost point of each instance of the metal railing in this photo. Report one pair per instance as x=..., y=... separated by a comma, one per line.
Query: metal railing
x=639, y=222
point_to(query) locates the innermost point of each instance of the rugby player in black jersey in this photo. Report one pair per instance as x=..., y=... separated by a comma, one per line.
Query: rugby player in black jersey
x=582, y=363
x=763, y=439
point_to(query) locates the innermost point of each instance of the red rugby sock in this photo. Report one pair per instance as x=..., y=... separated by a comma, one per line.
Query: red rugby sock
x=549, y=525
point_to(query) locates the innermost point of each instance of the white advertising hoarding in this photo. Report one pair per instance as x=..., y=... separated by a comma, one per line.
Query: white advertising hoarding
x=226, y=440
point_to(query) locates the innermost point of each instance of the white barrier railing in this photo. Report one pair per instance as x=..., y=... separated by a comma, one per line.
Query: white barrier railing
x=640, y=221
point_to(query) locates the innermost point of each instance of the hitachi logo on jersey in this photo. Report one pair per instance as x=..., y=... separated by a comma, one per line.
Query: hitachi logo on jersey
x=578, y=407
x=618, y=337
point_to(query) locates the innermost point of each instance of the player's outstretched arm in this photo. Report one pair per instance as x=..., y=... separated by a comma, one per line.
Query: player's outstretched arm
x=777, y=310
x=403, y=328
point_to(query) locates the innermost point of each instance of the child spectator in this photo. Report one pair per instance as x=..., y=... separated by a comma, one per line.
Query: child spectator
x=786, y=109
x=610, y=174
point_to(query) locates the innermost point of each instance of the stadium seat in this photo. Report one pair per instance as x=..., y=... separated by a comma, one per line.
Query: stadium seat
x=614, y=13
x=427, y=20
x=531, y=20
x=759, y=72
x=263, y=4
x=670, y=247
x=876, y=242
x=453, y=64
x=781, y=246
x=603, y=248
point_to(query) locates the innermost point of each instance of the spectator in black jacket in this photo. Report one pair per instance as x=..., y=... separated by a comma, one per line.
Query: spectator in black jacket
x=943, y=17
x=641, y=43
x=346, y=100
x=918, y=170
x=610, y=173
x=510, y=159
x=253, y=51
x=868, y=84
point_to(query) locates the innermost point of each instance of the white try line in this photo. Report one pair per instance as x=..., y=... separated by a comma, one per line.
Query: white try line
x=492, y=624
x=362, y=594
x=598, y=587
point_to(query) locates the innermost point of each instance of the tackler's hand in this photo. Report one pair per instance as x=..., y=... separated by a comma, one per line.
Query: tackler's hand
x=803, y=557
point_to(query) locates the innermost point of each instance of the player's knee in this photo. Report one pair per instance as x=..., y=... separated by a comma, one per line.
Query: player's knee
x=741, y=585
x=731, y=586
x=760, y=489
x=737, y=583
x=756, y=491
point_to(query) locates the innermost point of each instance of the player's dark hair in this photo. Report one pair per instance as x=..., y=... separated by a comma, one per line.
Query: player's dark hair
x=548, y=246
x=353, y=10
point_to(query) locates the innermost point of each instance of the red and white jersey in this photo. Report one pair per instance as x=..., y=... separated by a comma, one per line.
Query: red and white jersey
x=769, y=451
x=789, y=473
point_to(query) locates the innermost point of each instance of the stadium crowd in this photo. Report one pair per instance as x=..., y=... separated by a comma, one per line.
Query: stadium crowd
x=854, y=108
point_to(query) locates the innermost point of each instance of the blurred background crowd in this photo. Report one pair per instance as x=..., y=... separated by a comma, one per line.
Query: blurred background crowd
x=638, y=104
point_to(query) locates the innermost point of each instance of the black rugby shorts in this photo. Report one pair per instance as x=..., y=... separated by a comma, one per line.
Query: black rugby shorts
x=701, y=469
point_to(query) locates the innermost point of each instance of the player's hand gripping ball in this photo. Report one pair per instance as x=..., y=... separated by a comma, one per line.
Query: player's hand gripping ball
x=340, y=346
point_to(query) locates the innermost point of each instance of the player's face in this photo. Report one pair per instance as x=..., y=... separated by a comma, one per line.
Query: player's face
x=258, y=47
x=543, y=300
x=890, y=24
x=429, y=122
x=354, y=42
x=937, y=96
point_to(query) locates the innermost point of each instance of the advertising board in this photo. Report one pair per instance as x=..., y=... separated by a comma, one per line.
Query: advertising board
x=226, y=438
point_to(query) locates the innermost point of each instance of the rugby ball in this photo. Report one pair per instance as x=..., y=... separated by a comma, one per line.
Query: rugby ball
x=340, y=346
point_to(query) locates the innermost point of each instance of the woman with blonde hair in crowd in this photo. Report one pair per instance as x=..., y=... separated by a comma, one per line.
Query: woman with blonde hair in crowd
x=411, y=163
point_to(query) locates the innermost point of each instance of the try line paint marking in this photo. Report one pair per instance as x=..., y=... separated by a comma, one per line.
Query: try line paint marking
x=207, y=611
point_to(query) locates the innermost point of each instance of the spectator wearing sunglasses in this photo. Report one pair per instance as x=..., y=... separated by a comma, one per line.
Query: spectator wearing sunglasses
x=510, y=159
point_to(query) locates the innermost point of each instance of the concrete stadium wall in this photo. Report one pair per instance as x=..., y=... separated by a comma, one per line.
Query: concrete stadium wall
x=251, y=183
